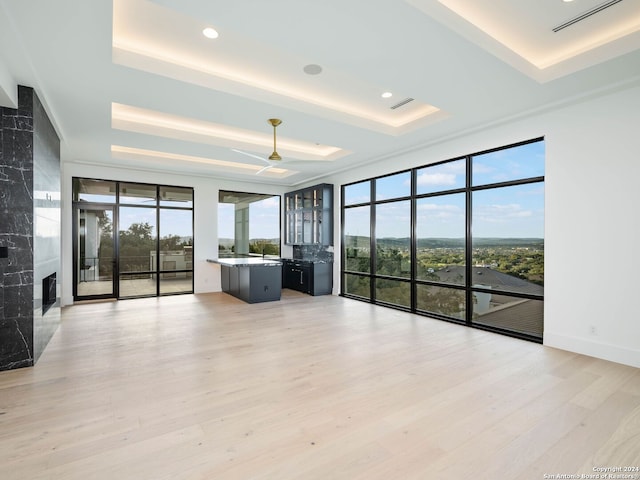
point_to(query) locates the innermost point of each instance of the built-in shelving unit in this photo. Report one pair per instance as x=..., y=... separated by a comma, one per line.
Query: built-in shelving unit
x=309, y=216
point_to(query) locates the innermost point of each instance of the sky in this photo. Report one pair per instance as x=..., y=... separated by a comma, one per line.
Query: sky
x=264, y=219
x=516, y=211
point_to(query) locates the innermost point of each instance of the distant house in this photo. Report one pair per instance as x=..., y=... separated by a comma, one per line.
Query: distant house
x=500, y=310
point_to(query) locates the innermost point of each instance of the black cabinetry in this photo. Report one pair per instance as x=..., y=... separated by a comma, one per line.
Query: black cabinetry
x=295, y=275
x=309, y=277
x=253, y=284
x=309, y=216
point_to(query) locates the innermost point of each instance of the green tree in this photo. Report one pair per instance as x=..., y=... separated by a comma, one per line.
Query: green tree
x=392, y=262
x=136, y=245
x=264, y=247
x=171, y=242
x=445, y=301
x=357, y=285
x=105, y=249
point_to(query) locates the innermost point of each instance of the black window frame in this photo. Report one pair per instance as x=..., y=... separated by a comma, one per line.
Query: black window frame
x=76, y=203
x=468, y=289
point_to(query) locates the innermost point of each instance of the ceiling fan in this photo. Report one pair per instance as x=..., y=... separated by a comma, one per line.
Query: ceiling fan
x=274, y=157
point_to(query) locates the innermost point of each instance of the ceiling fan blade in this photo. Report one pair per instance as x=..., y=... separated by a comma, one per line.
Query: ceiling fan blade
x=274, y=157
x=302, y=162
x=284, y=161
x=251, y=155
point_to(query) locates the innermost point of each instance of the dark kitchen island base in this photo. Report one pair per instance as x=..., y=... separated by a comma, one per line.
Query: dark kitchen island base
x=252, y=280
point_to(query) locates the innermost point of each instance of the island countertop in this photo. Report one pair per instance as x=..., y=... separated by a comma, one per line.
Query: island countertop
x=246, y=262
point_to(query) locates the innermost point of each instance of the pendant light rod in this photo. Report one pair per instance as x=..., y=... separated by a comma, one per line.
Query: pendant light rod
x=274, y=122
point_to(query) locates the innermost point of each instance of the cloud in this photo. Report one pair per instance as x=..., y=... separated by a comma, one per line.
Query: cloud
x=497, y=213
x=438, y=207
x=428, y=213
x=479, y=167
x=358, y=199
x=268, y=203
x=444, y=179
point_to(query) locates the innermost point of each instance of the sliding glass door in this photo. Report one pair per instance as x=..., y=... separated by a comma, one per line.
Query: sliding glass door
x=131, y=239
x=95, y=251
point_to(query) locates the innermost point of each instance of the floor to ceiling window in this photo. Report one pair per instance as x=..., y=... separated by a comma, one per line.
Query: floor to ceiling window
x=461, y=240
x=131, y=239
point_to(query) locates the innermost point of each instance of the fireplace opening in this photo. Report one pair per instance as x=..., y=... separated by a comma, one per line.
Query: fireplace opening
x=48, y=292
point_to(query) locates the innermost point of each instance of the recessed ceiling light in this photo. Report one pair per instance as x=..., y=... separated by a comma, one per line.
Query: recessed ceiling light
x=567, y=1
x=387, y=95
x=312, y=69
x=210, y=32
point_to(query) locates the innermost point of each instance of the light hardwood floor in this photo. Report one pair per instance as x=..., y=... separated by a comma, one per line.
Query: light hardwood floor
x=208, y=387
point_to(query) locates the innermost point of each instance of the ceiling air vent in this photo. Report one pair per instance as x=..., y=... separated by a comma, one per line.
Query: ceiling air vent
x=400, y=104
x=586, y=14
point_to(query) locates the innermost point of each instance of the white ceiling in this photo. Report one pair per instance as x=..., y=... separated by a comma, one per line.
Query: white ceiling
x=135, y=84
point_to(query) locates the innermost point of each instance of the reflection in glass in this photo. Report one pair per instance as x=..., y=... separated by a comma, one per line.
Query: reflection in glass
x=524, y=161
x=307, y=196
x=98, y=191
x=316, y=222
x=138, y=194
x=519, y=315
x=357, y=239
x=441, y=177
x=307, y=218
x=357, y=193
x=176, y=229
x=393, y=291
x=357, y=285
x=508, y=238
x=393, y=232
x=393, y=186
x=95, y=251
x=176, y=197
x=138, y=285
x=137, y=238
x=319, y=200
x=440, y=239
x=176, y=283
x=176, y=251
x=443, y=301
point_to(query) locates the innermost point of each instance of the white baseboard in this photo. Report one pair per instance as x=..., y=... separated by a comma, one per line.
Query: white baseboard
x=584, y=346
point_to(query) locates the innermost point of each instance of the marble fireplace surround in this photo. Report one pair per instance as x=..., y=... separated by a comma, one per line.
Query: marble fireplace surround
x=29, y=229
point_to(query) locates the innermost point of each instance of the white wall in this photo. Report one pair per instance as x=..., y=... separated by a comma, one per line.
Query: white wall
x=592, y=182
x=592, y=187
x=206, y=275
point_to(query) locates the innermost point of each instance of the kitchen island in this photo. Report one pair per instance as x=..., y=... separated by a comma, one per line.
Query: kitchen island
x=251, y=279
